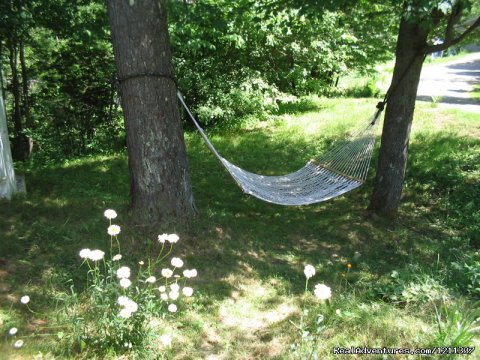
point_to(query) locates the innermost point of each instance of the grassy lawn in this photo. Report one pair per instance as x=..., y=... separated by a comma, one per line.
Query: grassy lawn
x=412, y=282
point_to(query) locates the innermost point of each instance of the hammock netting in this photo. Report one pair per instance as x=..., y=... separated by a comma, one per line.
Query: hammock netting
x=332, y=174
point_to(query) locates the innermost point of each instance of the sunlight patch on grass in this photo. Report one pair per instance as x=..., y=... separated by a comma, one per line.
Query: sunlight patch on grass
x=373, y=325
x=251, y=254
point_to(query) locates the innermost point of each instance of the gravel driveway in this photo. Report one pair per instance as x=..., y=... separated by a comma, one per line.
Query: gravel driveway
x=451, y=84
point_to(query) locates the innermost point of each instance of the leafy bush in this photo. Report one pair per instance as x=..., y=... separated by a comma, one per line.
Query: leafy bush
x=253, y=98
x=466, y=273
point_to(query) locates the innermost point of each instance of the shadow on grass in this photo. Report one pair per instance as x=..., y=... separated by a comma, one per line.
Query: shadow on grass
x=443, y=176
x=237, y=236
x=265, y=240
x=43, y=231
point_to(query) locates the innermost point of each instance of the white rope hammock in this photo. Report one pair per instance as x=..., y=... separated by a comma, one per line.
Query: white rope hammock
x=336, y=172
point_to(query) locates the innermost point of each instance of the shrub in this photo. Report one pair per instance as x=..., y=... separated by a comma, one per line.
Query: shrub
x=466, y=273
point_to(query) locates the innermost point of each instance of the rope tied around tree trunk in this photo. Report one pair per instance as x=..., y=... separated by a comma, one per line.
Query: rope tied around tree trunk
x=394, y=86
x=143, y=75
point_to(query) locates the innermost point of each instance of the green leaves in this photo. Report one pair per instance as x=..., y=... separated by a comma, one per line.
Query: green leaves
x=219, y=46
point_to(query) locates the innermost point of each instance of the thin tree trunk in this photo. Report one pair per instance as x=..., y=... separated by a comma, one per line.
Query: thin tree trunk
x=19, y=144
x=1, y=67
x=398, y=119
x=26, y=101
x=159, y=183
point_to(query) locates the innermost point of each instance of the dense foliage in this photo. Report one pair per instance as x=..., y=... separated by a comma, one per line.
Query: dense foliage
x=232, y=59
x=235, y=58
x=66, y=104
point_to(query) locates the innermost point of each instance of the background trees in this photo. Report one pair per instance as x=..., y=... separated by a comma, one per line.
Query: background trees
x=239, y=58
x=60, y=78
x=232, y=59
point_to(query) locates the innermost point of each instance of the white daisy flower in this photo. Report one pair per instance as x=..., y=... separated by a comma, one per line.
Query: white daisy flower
x=322, y=291
x=175, y=287
x=124, y=313
x=167, y=273
x=151, y=279
x=96, y=255
x=131, y=306
x=18, y=344
x=162, y=288
x=173, y=295
x=309, y=271
x=113, y=230
x=162, y=238
x=123, y=300
x=172, y=238
x=25, y=299
x=123, y=272
x=117, y=257
x=125, y=283
x=190, y=273
x=172, y=308
x=12, y=331
x=187, y=291
x=84, y=253
x=110, y=214
x=177, y=262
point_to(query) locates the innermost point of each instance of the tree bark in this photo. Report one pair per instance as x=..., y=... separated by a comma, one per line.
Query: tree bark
x=159, y=182
x=392, y=161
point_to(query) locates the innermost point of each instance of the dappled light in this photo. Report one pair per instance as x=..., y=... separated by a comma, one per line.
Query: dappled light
x=251, y=254
x=301, y=231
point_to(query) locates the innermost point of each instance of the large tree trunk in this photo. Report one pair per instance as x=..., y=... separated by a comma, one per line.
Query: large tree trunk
x=160, y=186
x=398, y=119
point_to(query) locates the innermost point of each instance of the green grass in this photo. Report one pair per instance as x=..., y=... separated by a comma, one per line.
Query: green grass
x=476, y=92
x=250, y=254
x=446, y=59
